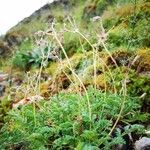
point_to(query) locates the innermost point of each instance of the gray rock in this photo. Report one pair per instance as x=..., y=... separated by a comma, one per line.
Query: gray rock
x=1, y=50
x=2, y=90
x=3, y=83
x=4, y=49
x=143, y=144
x=3, y=77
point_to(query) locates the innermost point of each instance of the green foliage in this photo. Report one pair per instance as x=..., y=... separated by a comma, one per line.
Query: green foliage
x=5, y=105
x=20, y=60
x=136, y=84
x=63, y=122
x=127, y=37
x=131, y=25
x=94, y=8
x=25, y=60
x=39, y=55
x=27, y=44
x=118, y=38
x=71, y=43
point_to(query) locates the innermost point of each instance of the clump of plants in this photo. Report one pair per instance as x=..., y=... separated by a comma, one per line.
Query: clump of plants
x=65, y=122
x=25, y=60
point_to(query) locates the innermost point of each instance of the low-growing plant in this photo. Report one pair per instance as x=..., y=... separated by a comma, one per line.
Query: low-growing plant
x=24, y=60
x=20, y=60
x=63, y=123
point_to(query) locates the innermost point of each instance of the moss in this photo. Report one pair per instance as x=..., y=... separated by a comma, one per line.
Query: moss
x=62, y=76
x=136, y=83
x=75, y=61
x=58, y=71
x=145, y=7
x=62, y=81
x=143, y=63
x=139, y=85
x=44, y=90
x=121, y=57
x=140, y=34
x=88, y=73
x=52, y=68
x=82, y=64
x=101, y=82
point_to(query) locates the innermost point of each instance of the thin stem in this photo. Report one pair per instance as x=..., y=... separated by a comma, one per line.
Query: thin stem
x=70, y=67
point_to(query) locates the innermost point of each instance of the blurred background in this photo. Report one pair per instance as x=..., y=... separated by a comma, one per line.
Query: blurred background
x=11, y=12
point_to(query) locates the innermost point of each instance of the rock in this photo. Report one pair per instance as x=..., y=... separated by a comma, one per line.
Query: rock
x=145, y=73
x=96, y=18
x=3, y=77
x=16, y=81
x=3, y=83
x=2, y=90
x=14, y=38
x=4, y=49
x=143, y=144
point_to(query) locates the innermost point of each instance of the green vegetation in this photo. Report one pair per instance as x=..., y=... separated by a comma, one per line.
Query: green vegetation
x=89, y=60
x=63, y=122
